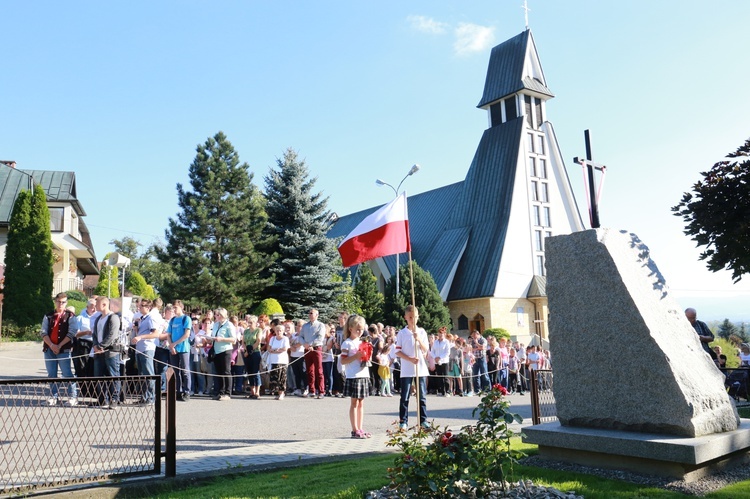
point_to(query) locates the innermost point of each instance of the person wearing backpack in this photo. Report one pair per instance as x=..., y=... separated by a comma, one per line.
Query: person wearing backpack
x=178, y=331
x=106, y=336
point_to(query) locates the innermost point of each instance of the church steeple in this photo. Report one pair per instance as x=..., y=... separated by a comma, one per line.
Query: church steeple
x=515, y=84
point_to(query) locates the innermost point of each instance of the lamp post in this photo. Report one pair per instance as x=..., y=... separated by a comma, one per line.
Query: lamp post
x=120, y=261
x=414, y=169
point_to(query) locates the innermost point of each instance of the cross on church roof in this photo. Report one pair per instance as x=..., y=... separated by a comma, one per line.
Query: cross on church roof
x=526, y=10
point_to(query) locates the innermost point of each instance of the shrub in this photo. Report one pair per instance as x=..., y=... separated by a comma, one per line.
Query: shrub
x=440, y=463
x=497, y=332
x=269, y=306
x=729, y=349
x=14, y=332
x=78, y=304
x=76, y=295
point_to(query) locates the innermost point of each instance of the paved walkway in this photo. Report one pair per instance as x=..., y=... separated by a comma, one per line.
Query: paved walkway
x=223, y=437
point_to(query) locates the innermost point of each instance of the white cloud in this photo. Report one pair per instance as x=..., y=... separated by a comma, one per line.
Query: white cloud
x=473, y=38
x=428, y=25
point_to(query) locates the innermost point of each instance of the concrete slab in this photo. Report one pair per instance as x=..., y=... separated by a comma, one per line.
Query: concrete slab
x=664, y=455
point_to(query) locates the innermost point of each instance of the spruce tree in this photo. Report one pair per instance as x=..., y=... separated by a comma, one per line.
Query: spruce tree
x=432, y=312
x=371, y=300
x=213, y=245
x=29, y=260
x=298, y=221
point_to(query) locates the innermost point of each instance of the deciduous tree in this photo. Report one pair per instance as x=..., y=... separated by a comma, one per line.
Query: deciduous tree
x=433, y=314
x=717, y=213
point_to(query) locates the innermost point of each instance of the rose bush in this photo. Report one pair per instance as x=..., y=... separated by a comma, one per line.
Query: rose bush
x=439, y=463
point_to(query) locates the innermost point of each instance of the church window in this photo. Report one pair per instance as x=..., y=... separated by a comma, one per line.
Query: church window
x=537, y=215
x=534, y=190
x=540, y=265
x=546, y=217
x=538, y=109
x=539, y=240
x=510, y=108
x=547, y=234
x=528, y=108
x=540, y=149
x=463, y=322
x=531, y=141
x=542, y=168
x=532, y=167
x=496, y=114
x=545, y=192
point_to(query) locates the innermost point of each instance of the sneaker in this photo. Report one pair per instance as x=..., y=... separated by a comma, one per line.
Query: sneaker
x=104, y=405
x=425, y=425
x=281, y=396
x=402, y=427
x=297, y=392
x=319, y=396
x=72, y=402
x=448, y=395
x=52, y=401
x=306, y=393
x=225, y=397
x=186, y=397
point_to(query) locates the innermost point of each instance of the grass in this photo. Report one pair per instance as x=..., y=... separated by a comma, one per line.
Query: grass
x=354, y=478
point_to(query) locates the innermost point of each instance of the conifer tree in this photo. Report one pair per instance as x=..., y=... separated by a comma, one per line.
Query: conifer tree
x=213, y=245
x=371, y=300
x=432, y=312
x=298, y=221
x=29, y=260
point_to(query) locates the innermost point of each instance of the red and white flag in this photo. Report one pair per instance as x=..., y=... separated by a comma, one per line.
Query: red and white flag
x=383, y=233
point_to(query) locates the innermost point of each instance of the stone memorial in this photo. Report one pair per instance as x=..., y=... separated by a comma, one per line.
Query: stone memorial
x=631, y=379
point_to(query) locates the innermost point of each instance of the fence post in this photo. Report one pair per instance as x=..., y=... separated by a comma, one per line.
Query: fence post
x=171, y=427
x=536, y=417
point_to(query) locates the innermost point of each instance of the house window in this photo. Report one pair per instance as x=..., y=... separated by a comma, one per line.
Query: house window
x=537, y=217
x=532, y=167
x=534, y=190
x=545, y=192
x=540, y=149
x=56, y=219
x=510, y=109
x=540, y=265
x=546, y=217
x=539, y=240
x=543, y=168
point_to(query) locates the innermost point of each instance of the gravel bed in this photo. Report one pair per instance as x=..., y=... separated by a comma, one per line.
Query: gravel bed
x=697, y=488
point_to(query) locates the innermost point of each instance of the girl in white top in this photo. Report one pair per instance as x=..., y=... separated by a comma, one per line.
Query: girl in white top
x=278, y=359
x=357, y=384
x=744, y=355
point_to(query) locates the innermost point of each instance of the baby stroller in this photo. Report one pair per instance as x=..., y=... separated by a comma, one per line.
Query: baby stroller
x=736, y=383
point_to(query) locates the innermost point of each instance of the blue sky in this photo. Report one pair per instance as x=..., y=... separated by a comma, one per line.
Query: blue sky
x=121, y=93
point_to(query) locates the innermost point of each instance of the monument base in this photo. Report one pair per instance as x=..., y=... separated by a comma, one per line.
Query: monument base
x=683, y=458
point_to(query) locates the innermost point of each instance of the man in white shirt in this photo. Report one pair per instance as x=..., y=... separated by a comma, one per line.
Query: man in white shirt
x=411, y=348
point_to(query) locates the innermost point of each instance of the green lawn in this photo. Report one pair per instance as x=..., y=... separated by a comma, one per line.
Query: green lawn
x=353, y=478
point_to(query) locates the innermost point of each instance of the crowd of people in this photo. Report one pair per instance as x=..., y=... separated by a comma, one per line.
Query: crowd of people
x=220, y=355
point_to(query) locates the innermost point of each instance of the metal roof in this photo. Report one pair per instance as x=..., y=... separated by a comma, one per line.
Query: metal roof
x=462, y=224
x=505, y=70
x=59, y=186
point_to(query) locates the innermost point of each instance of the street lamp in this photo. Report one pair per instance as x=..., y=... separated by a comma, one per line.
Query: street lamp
x=121, y=261
x=414, y=169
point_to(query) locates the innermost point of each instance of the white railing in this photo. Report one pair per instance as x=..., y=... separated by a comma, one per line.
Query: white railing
x=73, y=283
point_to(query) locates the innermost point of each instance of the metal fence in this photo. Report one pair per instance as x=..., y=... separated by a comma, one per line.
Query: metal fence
x=50, y=441
x=543, y=408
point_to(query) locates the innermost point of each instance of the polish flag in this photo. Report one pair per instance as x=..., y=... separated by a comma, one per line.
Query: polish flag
x=383, y=233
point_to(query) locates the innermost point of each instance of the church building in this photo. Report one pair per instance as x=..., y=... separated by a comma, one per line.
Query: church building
x=482, y=239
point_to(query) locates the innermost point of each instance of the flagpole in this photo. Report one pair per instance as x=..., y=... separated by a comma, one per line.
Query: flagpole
x=416, y=329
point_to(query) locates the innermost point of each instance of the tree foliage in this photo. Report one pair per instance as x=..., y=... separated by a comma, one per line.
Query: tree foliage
x=348, y=299
x=144, y=262
x=107, y=284
x=433, y=314
x=726, y=329
x=28, y=260
x=298, y=221
x=370, y=298
x=717, y=213
x=269, y=306
x=213, y=245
